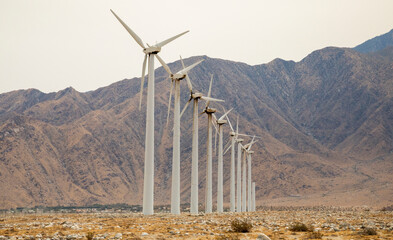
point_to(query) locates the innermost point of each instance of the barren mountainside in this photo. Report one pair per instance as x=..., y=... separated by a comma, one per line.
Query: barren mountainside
x=325, y=125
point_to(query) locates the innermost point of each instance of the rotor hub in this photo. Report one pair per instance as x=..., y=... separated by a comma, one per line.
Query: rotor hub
x=196, y=95
x=221, y=122
x=152, y=50
x=211, y=110
x=178, y=76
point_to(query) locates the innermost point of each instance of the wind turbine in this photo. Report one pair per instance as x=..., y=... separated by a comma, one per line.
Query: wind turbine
x=249, y=161
x=209, y=172
x=194, y=169
x=176, y=78
x=235, y=138
x=232, y=178
x=247, y=153
x=220, y=200
x=150, y=52
x=239, y=169
x=244, y=200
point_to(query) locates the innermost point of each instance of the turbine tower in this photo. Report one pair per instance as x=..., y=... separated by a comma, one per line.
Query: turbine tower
x=239, y=169
x=220, y=122
x=150, y=52
x=253, y=197
x=176, y=78
x=232, y=179
x=249, y=161
x=244, y=200
x=194, y=168
x=209, y=170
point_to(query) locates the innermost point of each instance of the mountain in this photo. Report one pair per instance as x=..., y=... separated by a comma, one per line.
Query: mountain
x=325, y=125
x=377, y=43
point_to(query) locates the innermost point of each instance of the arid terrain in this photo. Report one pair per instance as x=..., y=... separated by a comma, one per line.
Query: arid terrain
x=275, y=223
x=325, y=124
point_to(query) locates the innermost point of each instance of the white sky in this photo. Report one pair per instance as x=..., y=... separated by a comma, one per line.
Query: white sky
x=51, y=45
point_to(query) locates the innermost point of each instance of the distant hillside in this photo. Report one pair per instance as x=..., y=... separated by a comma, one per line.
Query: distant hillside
x=325, y=125
x=376, y=44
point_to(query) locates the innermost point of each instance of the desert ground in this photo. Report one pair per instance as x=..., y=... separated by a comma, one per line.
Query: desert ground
x=273, y=223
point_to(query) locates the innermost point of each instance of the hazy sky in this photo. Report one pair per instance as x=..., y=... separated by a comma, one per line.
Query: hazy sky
x=51, y=45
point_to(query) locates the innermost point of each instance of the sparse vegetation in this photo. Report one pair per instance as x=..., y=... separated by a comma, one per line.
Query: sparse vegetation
x=300, y=227
x=369, y=231
x=387, y=208
x=241, y=225
x=314, y=235
x=90, y=236
x=227, y=237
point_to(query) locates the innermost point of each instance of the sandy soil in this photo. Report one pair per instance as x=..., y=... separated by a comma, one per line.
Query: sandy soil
x=330, y=224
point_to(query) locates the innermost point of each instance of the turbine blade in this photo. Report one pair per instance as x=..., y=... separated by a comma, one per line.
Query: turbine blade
x=246, y=135
x=187, y=78
x=215, y=141
x=214, y=116
x=222, y=117
x=210, y=89
x=169, y=104
x=227, y=149
x=185, y=70
x=237, y=126
x=132, y=33
x=229, y=122
x=185, y=107
x=214, y=124
x=168, y=70
x=227, y=146
x=211, y=99
x=165, y=42
x=252, y=142
x=142, y=81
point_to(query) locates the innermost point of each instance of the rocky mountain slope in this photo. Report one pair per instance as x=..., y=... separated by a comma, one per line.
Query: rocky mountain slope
x=325, y=122
x=377, y=43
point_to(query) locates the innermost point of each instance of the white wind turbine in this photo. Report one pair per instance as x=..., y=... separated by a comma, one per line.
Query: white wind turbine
x=246, y=194
x=209, y=166
x=150, y=52
x=248, y=153
x=239, y=169
x=220, y=193
x=232, y=177
x=176, y=78
x=235, y=138
x=194, y=168
x=244, y=184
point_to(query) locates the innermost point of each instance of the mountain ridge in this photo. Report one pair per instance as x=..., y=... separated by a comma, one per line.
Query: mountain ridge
x=324, y=123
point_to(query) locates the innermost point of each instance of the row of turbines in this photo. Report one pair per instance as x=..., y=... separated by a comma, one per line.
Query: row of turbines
x=241, y=200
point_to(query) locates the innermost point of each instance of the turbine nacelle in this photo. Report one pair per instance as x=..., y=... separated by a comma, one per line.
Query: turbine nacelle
x=178, y=76
x=210, y=110
x=240, y=140
x=221, y=122
x=152, y=50
x=196, y=95
x=232, y=134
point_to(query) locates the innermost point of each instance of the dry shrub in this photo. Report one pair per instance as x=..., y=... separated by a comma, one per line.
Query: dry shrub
x=300, y=227
x=90, y=236
x=241, y=226
x=369, y=231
